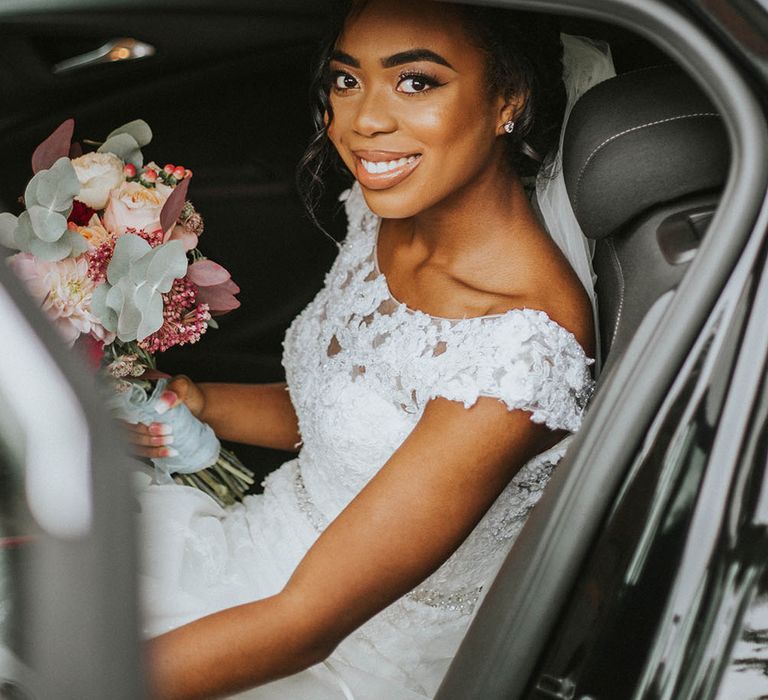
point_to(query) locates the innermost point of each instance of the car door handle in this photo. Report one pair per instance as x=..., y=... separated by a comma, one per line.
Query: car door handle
x=120, y=49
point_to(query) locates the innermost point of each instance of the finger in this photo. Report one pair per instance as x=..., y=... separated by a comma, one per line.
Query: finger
x=180, y=385
x=155, y=452
x=150, y=429
x=167, y=400
x=151, y=440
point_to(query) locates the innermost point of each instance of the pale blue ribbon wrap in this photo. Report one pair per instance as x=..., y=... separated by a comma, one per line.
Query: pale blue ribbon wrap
x=196, y=443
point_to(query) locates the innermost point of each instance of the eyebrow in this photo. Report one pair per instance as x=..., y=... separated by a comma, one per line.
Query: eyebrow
x=397, y=59
x=414, y=55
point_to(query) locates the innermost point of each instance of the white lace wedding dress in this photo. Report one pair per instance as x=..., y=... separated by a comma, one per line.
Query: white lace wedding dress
x=360, y=368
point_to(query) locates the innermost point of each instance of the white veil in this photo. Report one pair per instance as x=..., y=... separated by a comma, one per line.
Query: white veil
x=586, y=62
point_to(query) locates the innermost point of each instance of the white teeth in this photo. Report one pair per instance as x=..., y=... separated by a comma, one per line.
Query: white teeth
x=382, y=166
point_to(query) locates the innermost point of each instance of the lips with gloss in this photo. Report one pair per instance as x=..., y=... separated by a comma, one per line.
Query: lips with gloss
x=379, y=171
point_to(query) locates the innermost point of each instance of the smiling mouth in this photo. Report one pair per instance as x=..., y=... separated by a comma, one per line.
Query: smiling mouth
x=384, y=166
x=378, y=172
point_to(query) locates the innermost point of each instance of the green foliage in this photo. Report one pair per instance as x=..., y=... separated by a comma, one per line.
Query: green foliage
x=42, y=228
x=127, y=141
x=130, y=302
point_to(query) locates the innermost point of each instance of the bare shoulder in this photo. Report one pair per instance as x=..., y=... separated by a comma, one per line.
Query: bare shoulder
x=537, y=276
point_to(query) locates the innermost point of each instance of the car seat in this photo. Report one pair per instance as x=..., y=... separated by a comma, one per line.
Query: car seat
x=645, y=155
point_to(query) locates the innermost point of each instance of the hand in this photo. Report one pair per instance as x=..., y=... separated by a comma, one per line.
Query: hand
x=181, y=389
x=155, y=439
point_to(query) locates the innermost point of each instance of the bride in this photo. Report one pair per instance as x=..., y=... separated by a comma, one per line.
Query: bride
x=431, y=384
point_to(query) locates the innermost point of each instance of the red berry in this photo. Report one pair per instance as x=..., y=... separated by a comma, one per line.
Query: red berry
x=187, y=172
x=150, y=175
x=129, y=170
x=168, y=169
x=179, y=173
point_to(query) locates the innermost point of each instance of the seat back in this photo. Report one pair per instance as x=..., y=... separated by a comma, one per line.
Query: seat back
x=645, y=155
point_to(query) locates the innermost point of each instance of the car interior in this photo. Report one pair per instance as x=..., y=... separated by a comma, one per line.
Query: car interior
x=229, y=94
x=646, y=157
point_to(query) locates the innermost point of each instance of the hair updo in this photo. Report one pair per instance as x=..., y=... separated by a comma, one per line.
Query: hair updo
x=524, y=55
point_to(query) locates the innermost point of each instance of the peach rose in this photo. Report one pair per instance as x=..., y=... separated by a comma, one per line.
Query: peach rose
x=136, y=207
x=94, y=232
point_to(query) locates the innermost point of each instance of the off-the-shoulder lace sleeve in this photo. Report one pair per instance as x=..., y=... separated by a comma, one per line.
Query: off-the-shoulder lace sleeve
x=522, y=358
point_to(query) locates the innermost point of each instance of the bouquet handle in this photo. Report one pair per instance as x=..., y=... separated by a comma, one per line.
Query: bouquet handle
x=196, y=444
x=201, y=461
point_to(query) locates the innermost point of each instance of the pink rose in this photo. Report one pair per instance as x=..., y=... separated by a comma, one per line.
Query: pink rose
x=133, y=206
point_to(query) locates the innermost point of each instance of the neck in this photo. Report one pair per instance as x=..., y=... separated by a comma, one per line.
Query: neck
x=471, y=218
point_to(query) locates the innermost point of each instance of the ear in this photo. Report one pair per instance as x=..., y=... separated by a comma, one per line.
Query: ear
x=510, y=108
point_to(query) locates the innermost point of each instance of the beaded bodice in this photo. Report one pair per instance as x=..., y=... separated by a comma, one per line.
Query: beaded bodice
x=361, y=367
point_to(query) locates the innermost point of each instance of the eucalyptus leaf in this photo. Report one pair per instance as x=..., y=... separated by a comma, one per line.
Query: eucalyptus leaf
x=168, y=262
x=106, y=314
x=125, y=147
x=8, y=224
x=24, y=233
x=78, y=245
x=49, y=226
x=137, y=277
x=30, y=191
x=50, y=252
x=128, y=249
x=55, y=188
x=129, y=313
x=70, y=244
x=138, y=129
x=151, y=316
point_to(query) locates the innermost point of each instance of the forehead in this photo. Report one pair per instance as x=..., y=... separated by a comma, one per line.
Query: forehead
x=380, y=28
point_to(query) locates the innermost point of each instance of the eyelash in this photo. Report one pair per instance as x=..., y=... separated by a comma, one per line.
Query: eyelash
x=335, y=75
x=430, y=81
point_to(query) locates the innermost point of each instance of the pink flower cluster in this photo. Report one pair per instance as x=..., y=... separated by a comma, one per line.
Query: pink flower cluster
x=99, y=259
x=184, y=319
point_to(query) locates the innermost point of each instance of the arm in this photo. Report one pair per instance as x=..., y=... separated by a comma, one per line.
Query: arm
x=407, y=520
x=254, y=414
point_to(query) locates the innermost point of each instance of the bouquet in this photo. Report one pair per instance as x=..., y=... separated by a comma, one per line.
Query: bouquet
x=108, y=245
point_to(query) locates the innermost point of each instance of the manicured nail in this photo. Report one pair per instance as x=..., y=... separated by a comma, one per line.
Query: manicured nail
x=160, y=429
x=162, y=440
x=166, y=401
x=170, y=452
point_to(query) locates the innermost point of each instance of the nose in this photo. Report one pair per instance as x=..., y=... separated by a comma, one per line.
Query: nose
x=374, y=113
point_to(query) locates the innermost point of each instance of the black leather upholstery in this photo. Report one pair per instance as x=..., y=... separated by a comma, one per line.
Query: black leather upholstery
x=637, y=140
x=644, y=157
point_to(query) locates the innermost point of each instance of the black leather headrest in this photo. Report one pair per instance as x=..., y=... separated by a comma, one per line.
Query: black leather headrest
x=638, y=140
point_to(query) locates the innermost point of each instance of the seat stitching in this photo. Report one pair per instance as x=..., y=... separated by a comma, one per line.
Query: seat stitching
x=624, y=133
x=645, y=68
x=617, y=264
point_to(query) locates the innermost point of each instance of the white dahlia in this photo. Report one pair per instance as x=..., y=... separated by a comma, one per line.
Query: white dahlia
x=64, y=291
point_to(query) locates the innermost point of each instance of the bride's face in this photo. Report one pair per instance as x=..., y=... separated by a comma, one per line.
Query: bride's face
x=413, y=118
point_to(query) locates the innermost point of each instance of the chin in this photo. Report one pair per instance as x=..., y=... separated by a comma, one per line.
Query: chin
x=395, y=203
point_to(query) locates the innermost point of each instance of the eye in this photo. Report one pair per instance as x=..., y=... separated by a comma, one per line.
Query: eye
x=414, y=83
x=344, y=81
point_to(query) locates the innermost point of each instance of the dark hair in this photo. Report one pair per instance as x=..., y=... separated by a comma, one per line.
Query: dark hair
x=524, y=56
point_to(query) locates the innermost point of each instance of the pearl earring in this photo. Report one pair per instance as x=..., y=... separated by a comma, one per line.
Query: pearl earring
x=509, y=126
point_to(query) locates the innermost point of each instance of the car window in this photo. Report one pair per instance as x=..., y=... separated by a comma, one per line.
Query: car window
x=605, y=645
